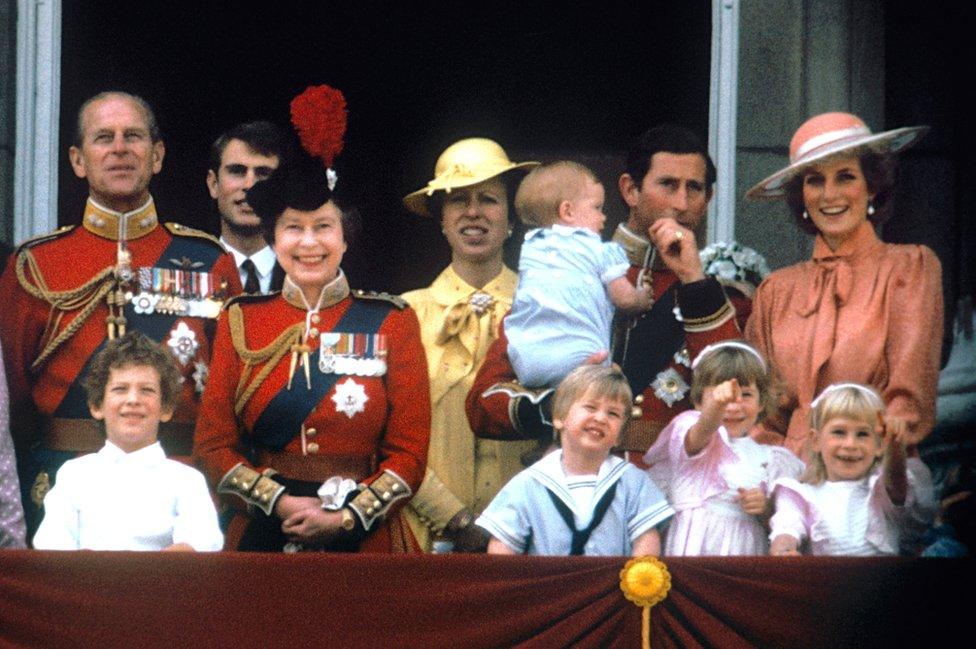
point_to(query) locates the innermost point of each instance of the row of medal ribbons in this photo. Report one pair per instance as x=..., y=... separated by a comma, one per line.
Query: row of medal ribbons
x=357, y=354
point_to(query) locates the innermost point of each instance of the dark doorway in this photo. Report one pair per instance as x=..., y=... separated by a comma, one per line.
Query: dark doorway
x=576, y=82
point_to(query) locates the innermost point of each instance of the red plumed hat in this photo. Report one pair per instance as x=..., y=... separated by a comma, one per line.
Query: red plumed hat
x=319, y=116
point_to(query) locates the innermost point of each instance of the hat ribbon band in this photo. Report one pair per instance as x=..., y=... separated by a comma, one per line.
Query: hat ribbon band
x=829, y=137
x=445, y=179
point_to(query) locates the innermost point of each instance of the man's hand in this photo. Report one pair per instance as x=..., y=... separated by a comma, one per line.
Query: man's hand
x=677, y=248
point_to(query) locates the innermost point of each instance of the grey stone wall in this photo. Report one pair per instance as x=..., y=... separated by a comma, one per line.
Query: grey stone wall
x=8, y=77
x=798, y=58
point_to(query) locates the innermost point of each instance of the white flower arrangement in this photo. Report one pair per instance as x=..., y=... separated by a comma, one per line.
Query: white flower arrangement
x=734, y=264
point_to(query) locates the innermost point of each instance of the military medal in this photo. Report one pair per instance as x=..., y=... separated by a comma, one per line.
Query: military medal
x=327, y=343
x=350, y=397
x=681, y=357
x=183, y=342
x=669, y=387
x=355, y=354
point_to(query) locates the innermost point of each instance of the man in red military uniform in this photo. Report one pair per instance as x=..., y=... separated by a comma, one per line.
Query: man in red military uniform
x=66, y=293
x=667, y=186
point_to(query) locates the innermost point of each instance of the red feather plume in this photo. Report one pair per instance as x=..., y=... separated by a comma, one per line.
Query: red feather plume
x=319, y=115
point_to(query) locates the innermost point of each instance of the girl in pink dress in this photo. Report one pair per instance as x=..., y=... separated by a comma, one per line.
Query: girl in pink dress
x=717, y=478
x=861, y=495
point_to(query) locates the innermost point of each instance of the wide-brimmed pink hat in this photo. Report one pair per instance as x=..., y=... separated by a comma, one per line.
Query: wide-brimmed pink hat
x=828, y=135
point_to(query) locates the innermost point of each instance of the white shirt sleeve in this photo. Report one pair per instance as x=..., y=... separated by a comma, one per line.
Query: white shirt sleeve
x=196, y=522
x=60, y=529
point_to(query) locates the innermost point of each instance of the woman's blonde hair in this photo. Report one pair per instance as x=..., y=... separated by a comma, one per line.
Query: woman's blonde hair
x=600, y=381
x=849, y=400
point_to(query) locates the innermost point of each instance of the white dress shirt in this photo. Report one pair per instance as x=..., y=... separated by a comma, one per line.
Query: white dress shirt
x=113, y=500
x=264, y=261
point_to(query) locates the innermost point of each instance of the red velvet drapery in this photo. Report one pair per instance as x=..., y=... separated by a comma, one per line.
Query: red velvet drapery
x=68, y=599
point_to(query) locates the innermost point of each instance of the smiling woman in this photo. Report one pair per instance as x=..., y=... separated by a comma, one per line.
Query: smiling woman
x=861, y=310
x=325, y=386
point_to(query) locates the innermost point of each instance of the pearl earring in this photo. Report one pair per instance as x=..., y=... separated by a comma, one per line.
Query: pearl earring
x=870, y=208
x=806, y=215
x=510, y=231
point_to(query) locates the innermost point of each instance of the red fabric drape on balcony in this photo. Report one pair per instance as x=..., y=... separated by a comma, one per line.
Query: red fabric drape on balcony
x=257, y=600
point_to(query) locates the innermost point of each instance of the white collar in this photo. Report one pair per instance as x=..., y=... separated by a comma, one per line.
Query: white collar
x=560, y=229
x=147, y=455
x=264, y=259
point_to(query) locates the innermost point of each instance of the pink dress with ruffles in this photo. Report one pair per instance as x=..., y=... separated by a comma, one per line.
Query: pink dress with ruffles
x=703, y=489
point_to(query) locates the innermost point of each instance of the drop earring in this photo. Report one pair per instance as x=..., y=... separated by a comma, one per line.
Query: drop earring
x=806, y=215
x=871, y=208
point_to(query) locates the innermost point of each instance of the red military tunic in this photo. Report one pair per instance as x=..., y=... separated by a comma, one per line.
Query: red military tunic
x=363, y=427
x=52, y=324
x=499, y=408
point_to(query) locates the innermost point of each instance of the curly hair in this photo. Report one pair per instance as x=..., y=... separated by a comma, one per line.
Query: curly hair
x=133, y=350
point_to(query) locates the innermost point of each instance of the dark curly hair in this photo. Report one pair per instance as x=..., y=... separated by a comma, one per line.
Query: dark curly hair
x=879, y=173
x=133, y=350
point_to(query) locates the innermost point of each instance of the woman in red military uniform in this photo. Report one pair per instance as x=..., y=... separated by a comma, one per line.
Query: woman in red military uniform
x=317, y=410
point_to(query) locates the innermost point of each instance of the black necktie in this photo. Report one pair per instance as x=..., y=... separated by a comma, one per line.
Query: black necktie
x=251, y=284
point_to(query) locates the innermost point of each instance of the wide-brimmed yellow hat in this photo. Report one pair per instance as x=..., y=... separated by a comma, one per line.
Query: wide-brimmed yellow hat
x=828, y=135
x=466, y=162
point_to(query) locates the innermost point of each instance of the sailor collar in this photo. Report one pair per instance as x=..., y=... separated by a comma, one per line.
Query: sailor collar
x=119, y=226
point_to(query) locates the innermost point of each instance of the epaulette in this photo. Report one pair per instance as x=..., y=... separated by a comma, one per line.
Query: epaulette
x=41, y=238
x=250, y=298
x=178, y=230
x=395, y=300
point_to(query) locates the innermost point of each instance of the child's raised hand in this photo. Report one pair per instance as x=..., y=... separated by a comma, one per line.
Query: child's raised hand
x=753, y=501
x=894, y=430
x=722, y=395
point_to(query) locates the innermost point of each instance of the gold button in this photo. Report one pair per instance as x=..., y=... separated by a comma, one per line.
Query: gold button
x=639, y=399
x=377, y=503
x=316, y=318
x=313, y=332
x=369, y=511
x=394, y=486
x=636, y=413
x=311, y=432
x=313, y=447
x=386, y=495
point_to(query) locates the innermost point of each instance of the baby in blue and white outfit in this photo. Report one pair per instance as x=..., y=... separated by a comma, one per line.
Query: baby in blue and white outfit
x=569, y=279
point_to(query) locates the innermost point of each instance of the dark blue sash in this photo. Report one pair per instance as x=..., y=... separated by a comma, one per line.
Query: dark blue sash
x=155, y=326
x=282, y=419
x=648, y=347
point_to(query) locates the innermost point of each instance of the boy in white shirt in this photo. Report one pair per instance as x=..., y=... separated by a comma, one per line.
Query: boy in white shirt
x=128, y=495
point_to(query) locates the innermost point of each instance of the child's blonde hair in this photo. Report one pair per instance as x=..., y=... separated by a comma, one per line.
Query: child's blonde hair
x=727, y=360
x=849, y=400
x=545, y=188
x=602, y=381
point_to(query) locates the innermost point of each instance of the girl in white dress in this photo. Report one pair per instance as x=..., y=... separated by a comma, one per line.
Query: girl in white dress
x=861, y=495
x=717, y=478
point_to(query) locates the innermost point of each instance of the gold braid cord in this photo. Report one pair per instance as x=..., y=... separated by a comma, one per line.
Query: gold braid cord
x=269, y=355
x=85, y=297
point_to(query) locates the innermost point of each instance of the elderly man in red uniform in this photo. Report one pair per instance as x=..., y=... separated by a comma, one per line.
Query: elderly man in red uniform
x=66, y=293
x=667, y=186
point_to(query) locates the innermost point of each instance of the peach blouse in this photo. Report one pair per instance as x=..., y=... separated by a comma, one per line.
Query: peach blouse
x=868, y=312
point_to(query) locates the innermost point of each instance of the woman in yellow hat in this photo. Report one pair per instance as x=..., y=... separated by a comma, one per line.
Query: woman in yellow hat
x=471, y=194
x=860, y=310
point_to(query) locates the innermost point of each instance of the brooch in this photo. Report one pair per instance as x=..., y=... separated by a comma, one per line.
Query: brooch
x=183, y=342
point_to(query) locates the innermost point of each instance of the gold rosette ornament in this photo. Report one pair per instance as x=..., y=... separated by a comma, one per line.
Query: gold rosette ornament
x=645, y=581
